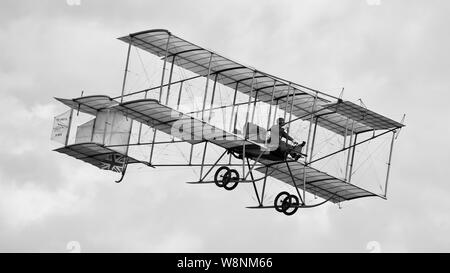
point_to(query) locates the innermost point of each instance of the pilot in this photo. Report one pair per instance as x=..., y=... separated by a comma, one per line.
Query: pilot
x=277, y=131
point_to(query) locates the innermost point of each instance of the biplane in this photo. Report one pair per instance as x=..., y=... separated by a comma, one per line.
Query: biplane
x=250, y=151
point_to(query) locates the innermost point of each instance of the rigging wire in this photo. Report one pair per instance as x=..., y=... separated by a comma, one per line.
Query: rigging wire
x=143, y=66
x=371, y=158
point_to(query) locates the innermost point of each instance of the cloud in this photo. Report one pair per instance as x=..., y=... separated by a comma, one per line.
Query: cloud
x=393, y=56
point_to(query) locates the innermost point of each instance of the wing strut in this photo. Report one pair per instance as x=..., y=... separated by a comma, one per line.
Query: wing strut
x=293, y=181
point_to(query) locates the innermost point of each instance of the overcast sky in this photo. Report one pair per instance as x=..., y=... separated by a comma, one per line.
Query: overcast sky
x=394, y=55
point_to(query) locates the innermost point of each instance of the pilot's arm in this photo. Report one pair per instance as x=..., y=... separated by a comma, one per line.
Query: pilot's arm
x=285, y=135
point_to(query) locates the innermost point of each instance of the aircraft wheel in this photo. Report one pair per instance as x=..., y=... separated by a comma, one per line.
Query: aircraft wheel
x=279, y=200
x=290, y=205
x=231, y=180
x=220, y=175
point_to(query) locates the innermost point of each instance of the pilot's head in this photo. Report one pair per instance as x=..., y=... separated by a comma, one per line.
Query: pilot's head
x=281, y=121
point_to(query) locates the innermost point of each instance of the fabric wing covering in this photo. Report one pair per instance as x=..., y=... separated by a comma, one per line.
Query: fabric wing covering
x=89, y=104
x=318, y=183
x=177, y=124
x=245, y=79
x=98, y=155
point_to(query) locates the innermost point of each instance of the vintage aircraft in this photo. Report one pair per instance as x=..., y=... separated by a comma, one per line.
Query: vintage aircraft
x=254, y=151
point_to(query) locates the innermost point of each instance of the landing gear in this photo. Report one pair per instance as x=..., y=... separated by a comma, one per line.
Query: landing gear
x=226, y=178
x=290, y=205
x=122, y=175
x=218, y=176
x=231, y=180
x=286, y=203
x=279, y=200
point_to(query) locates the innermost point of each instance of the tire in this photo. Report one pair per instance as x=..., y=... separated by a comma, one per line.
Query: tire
x=279, y=200
x=219, y=175
x=293, y=205
x=232, y=181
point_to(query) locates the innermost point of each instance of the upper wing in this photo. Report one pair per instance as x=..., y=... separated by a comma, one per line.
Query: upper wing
x=89, y=104
x=235, y=75
x=363, y=116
